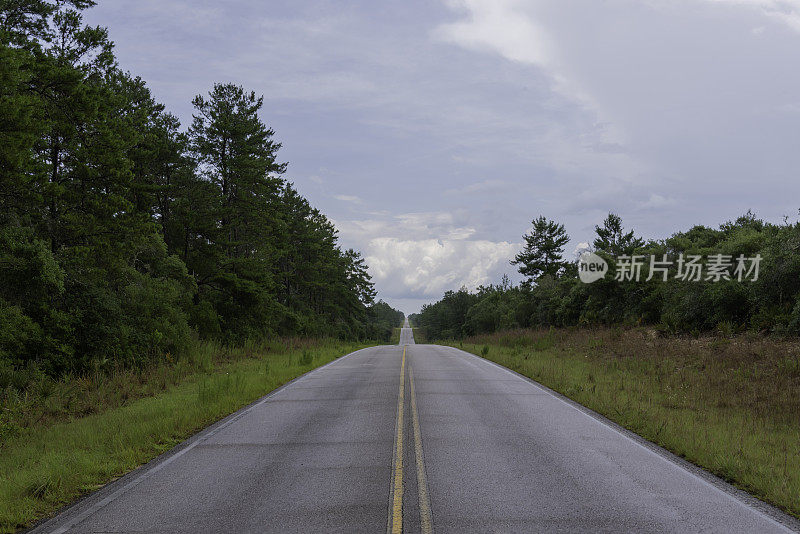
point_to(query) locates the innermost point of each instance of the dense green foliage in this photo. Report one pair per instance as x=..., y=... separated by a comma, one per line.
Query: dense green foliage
x=382, y=320
x=122, y=236
x=543, y=252
x=770, y=304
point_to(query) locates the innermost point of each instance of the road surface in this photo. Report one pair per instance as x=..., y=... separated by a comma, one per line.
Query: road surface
x=416, y=438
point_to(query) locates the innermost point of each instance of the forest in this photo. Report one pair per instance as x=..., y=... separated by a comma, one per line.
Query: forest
x=765, y=303
x=124, y=235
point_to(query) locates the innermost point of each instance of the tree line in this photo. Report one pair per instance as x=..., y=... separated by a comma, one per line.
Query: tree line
x=123, y=236
x=666, y=294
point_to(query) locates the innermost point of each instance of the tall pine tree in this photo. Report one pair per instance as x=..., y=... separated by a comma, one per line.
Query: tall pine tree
x=543, y=253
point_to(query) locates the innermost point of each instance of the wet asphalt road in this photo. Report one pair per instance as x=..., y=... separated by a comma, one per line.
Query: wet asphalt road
x=417, y=438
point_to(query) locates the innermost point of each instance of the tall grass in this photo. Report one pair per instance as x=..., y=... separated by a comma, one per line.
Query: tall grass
x=728, y=404
x=419, y=336
x=66, y=438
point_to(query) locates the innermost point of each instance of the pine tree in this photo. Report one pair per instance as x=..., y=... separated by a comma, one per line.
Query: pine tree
x=118, y=230
x=613, y=240
x=235, y=152
x=544, y=250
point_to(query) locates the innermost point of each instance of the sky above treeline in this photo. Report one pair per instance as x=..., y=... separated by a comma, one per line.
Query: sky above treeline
x=432, y=132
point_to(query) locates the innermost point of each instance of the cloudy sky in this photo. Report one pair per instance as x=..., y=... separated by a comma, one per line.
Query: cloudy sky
x=432, y=132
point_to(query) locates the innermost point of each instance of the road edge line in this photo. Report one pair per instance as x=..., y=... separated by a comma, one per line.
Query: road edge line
x=762, y=508
x=116, y=488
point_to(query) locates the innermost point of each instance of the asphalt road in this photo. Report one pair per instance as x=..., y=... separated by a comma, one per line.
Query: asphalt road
x=417, y=438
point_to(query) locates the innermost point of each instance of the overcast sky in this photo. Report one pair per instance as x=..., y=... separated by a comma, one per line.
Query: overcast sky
x=432, y=132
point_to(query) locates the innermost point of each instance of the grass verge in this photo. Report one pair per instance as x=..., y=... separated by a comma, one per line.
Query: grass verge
x=419, y=336
x=729, y=405
x=395, y=339
x=51, y=457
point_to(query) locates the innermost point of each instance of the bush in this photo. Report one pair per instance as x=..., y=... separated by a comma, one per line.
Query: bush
x=20, y=337
x=770, y=303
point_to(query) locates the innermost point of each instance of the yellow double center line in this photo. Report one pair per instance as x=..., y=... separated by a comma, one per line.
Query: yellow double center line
x=397, y=486
x=396, y=514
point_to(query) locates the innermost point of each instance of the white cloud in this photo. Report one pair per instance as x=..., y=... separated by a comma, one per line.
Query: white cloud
x=481, y=187
x=428, y=267
x=656, y=201
x=348, y=198
x=519, y=32
x=422, y=255
x=423, y=225
x=497, y=25
x=580, y=248
x=785, y=11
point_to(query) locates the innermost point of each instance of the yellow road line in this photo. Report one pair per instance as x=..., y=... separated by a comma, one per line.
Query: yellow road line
x=397, y=493
x=426, y=522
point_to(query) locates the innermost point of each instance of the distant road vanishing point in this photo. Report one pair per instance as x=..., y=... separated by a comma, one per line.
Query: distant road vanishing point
x=416, y=438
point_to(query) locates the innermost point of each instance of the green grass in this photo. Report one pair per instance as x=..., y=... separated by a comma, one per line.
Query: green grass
x=419, y=336
x=730, y=405
x=395, y=339
x=49, y=458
